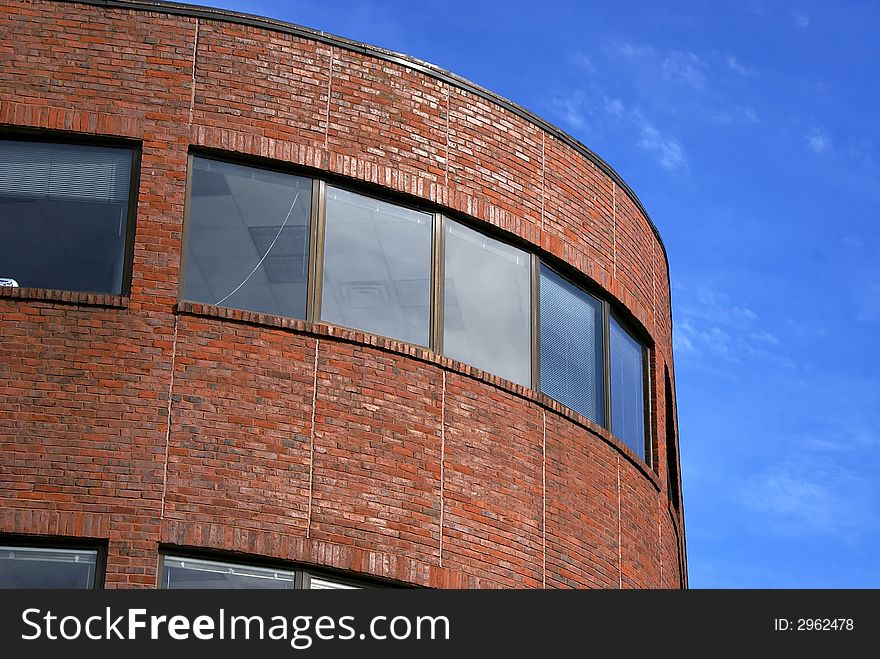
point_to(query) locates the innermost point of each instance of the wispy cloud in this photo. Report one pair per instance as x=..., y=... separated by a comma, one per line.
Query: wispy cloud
x=668, y=150
x=819, y=141
x=813, y=493
x=799, y=19
x=685, y=68
x=734, y=65
x=869, y=303
x=572, y=109
x=583, y=62
x=630, y=49
x=734, y=115
x=580, y=110
x=709, y=326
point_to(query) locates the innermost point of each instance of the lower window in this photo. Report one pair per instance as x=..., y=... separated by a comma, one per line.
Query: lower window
x=48, y=567
x=180, y=572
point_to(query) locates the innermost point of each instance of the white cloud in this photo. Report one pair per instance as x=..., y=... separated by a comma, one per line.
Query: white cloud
x=686, y=68
x=614, y=107
x=799, y=19
x=735, y=115
x=629, y=49
x=869, y=303
x=690, y=337
x=734, y=65
x=853, y=241
x=710, y=327
x=572, y=109
x=668, y=150
x=810, y=494
x=583, y=62
x=819, y=141
x=843, y=439
x=580, y=110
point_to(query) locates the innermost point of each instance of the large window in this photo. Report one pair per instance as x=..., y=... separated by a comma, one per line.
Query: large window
x=179, y=572
x=627, y=388
x=571, y=346
x=248, y=238
x=377, y=267
x=47, y=567
x=64, y=215
x=259, y=241
x=487, y=306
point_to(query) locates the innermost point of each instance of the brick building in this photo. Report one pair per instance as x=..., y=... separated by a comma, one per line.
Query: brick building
x=285, y=310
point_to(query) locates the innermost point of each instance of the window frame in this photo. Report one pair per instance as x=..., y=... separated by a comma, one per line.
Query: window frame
x=316, y=286
x=315, y=278
x=252, y=162
x=603, y=337
x=39, y=135
x=99, y=546
x=609, y=310
x=646, y=381
x=534, y=300
x=302, y=572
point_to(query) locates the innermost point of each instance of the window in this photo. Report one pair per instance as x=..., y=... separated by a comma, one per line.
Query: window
x=409, y=275
x=377, y=267
x=671, y=448
x=487, y=298
x=47, y=567
x=321, y=583
x=627, y=388
x=248, y=238
x=180, y=572
x=65, y=215
x=571, y=346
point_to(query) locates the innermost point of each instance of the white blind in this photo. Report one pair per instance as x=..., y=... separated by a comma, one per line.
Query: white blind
x=64, y=171
x=49, y=555
x=571, y=346
x=233, y=569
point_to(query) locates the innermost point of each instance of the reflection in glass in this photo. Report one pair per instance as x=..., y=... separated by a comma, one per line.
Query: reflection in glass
x=571, y=346
x=486, y=316
x=180, y=572
x=64, y=215
x=377, y=267
x=248, y=238
x=320, y=583
x=627, y=383
x=34, y=567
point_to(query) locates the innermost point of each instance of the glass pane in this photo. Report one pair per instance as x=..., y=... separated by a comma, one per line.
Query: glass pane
x=377, y=267
x=627, y=382
x=31, y=567
x=198, y=573
x=318, y=583
x=571, y=346
x=486, y=316
x=64, y=215
x=248, y=238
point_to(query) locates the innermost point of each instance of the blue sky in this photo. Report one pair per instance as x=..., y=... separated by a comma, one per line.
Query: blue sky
x=749, y=132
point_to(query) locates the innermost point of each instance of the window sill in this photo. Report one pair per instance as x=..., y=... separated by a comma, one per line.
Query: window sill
x=65, y=297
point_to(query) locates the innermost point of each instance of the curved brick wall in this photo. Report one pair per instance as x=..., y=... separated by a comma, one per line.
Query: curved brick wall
x=146, y=421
